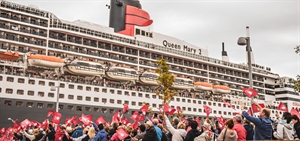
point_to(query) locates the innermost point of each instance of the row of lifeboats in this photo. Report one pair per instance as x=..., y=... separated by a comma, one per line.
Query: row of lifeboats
x=87, y=68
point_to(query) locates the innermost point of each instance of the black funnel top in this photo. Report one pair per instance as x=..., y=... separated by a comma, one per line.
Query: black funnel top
x=224, y=53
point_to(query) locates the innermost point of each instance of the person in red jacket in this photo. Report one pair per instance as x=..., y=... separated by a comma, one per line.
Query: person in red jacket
x=239, y=128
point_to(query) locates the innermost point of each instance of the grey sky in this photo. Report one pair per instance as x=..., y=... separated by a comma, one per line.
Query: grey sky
x=274, y=25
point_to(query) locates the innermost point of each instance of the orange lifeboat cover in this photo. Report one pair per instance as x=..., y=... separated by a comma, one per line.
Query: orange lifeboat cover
x=8, y=55
x=203, y=84
x=221, y=87
x=46, y=58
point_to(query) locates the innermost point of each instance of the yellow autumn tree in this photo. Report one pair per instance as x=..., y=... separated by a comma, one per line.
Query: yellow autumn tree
x=165, y=81
x=296, y=82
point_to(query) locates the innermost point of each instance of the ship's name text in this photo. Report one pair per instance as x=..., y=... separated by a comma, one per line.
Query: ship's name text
x=178, y=47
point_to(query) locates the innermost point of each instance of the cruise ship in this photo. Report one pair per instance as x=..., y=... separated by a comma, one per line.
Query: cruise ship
x=94, y=69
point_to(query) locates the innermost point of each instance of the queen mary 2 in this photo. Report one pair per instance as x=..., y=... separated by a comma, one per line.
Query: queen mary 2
x=93, y=69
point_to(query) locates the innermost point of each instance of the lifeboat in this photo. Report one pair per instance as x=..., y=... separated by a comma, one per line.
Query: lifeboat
x=45, y=61
x=183, y=83
x=85, y=68
x=203, y=86
x=149, y=78
x=122, y=74
x=8, y=55
x=221, y=89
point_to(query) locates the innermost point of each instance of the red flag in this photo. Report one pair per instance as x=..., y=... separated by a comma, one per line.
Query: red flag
x=135, y=125
x=45, y=124
x=75, y=122
x=207, y=110
x=56, y=117
x=141, y=118
x=59, y=134
x=125, y=121
x=168, y=109
x=116, y=117
x=198, y=121
x=100, y=120
x=178, y=109
x=222, y=121
x=249, y=92
x=85, y=120
x=135, y=115
x=122, y=134
x=37, y=124
x=282, y=107
x=256, y=109
x=249, y=112
x=125, y=108
x=25, y=123
x=144, y=109
x=2, y=130
x=228, y=104
x=16, y=124
x=294, y=112
x=68, y=121
x=50, y=112
x=89, y=117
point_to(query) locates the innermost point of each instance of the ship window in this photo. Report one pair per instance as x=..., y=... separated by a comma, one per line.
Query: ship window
x=204, y=102
x=29, y=104
x=41, y=94
x=133, y=103
x=178, y=99
x=104, y=100
x=154, y=105
x=31, y=82
x=229, y=113
x=119, y=92
x=237, y=107
x=1, y=78
x=51, y=84
x=150, y=35
x=119, y=101
x=70, y=107
x=225, y=113
x=62, y=85
x=71, y=86
x=215, y=112
x=220, y=112
x=127, y=93
x=133, y=94
x=96, y=89
x=50, y=106
x=140, y=95
x=140, y=104
x=19, y=103
x=20, y=80
x=183, y=108
x=189, y=109
x=143, y=32
x=78, y=108
x=194, y=110
x=104, y=90
x=96, y=109
x=200, y=110
x=79, y=87
x=137, y=31
x=219, y=104
x=88, y=88
x=189, y=101
x=7, y=103
x=111, y=111
x=60, y=107
x=194, y=101
x=88, y=108
x=112, y=91
x=87, y=98
x=31, y=93
x=147, y=95
x=96, y=99
x=153, y=96
x=70, y=96
x=214, y=104
x=9, y=91
x=79, y=97
x=40, y=105
x=42, y=83
x=183, y=100
x=61, y=96
x=112, y=101
x=10, y=79
x=20, y=92
x=103, y=110
x=126, y=102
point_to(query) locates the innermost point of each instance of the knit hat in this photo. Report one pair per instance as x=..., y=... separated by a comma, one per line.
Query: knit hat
x=149, y=123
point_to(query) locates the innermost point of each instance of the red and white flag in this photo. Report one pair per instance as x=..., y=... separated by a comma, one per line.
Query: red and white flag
x=168, y=109
x=228, y=104
x=282, y=107
x=178, y=110
x=249, y=92
x=144, y=109
x=56, y=117
x=100, y=120
x=255, y=109
x=122, y=134
x=135, y=116
x=207, y=110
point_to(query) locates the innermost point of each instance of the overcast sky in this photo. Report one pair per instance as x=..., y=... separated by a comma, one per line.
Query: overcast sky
x=274, y=25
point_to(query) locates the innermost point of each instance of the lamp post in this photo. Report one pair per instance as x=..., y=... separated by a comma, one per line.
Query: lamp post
x=242, y=41
x=56, y=88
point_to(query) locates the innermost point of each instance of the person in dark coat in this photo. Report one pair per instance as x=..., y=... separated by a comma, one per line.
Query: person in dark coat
x=193, y=133
x=296, y=122
x=112, y=131
x=50, y=133
x=249, y=129
x=150, y=132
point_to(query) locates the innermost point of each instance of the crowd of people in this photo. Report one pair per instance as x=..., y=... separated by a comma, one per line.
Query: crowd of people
x=241, y=127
